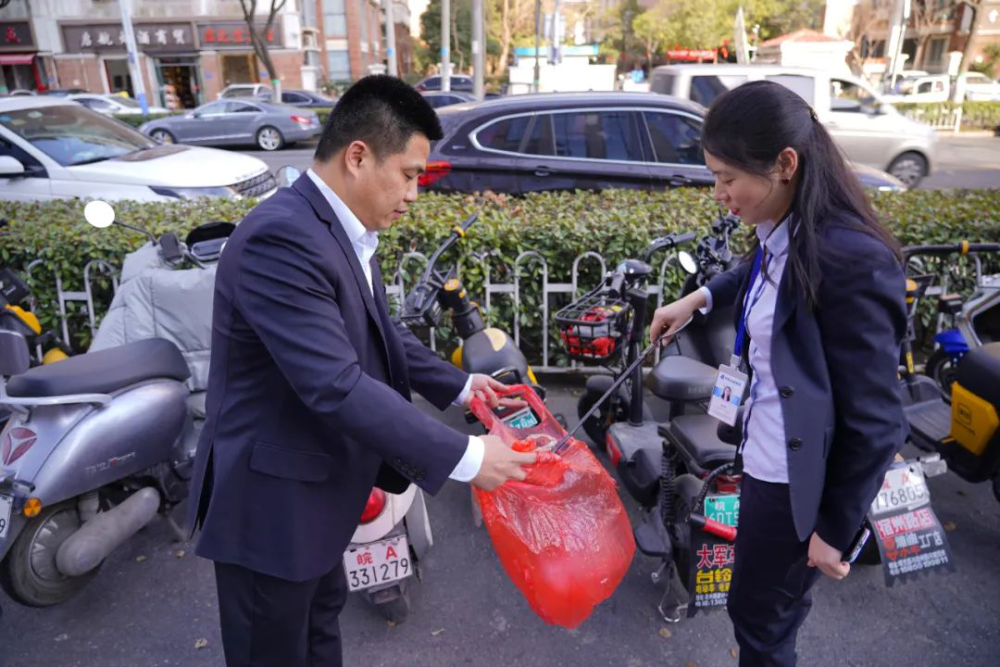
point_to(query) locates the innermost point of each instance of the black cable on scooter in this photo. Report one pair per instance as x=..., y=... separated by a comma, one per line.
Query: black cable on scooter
x=626, y=374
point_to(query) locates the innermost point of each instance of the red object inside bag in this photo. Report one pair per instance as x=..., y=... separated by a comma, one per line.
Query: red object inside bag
x=562, y=535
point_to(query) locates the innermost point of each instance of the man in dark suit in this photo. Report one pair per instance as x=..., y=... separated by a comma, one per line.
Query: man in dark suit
x=309, y=390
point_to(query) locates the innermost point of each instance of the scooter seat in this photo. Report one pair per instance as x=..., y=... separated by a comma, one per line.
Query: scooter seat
x=104, y=371
x=679, y=378
x=698, y=436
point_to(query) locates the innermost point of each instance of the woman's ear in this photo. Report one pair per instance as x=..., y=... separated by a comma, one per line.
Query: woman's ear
x=787, y=164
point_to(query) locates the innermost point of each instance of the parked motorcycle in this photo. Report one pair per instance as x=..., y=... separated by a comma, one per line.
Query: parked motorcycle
x=974, y=321
x=966, y=432
x=483, y=349
x=682, y=471
x=98, y=445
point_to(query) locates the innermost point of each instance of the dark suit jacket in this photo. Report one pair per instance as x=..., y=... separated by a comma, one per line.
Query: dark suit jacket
x=308, y=395
x=836, y=369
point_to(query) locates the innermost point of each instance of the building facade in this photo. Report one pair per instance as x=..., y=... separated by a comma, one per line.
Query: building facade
x=936, y=30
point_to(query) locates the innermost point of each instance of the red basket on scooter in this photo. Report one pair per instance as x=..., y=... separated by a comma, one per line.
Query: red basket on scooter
x=593, y=328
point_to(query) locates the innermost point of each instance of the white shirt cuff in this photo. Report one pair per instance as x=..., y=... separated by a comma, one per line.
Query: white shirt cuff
x=708, y=301
x=463, y=397
x=471, y=462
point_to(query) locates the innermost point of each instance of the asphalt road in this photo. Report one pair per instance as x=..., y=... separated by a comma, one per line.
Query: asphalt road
x=962, y=161
x=153, y=601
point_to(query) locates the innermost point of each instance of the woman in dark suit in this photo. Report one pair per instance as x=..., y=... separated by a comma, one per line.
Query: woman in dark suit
x=821, y=304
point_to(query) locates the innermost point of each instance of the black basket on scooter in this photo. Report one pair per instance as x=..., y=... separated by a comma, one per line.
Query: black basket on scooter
x=594, y=327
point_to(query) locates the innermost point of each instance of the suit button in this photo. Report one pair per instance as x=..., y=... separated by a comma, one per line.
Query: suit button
x=786, y=392
x=794, y=444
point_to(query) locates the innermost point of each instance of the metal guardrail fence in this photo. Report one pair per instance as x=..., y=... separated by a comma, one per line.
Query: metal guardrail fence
x=950, y=119
x=396, y=291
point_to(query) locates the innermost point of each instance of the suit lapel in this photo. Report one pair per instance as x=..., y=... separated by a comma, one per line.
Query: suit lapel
x=321, y=206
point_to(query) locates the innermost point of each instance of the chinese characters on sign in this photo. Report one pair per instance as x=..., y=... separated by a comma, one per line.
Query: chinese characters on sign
x=909, y=536
x=233, y=35
x=712, y=557
x=165, y=37
x=16, y=36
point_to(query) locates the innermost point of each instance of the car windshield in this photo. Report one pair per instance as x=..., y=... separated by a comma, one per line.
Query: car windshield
x=73, y=135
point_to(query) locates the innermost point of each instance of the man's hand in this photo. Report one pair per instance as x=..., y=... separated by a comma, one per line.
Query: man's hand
x=501, y=463
x=486, y=388
x=827, y=558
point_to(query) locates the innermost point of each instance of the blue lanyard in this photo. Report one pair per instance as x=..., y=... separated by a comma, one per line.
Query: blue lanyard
x=741, y=331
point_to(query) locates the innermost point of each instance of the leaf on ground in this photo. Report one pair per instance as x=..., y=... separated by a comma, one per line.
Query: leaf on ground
x=391, y=624
x=139, y=559
x=181, y=553
x=733, y=653
x=666, y=633
x=435, y=633
x=689, y=664
x=200, y=643
x=949, y=525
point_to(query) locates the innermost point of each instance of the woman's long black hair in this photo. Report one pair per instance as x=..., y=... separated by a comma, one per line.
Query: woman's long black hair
x=748, y=127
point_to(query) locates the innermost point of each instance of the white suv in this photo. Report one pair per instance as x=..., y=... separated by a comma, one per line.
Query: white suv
x=868, y=131
x=53, y=148
x=245, y=90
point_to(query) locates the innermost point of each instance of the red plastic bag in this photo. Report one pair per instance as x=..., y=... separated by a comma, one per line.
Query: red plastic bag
x=562, y=535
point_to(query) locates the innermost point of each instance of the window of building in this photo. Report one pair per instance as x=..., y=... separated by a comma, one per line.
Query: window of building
x=334, y=18
x=339, y=64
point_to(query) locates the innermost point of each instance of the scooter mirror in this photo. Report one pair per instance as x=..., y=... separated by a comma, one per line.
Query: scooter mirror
x=99, y=213
x=287, y=175
x=687, y=262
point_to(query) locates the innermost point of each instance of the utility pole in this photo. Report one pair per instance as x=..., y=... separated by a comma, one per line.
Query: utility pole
x=390, y=39
x=133, y=57
x=478, y=50
x=445, y=45
x=538, y=39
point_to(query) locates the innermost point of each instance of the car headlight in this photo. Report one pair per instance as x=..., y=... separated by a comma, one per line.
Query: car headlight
x=195, y=193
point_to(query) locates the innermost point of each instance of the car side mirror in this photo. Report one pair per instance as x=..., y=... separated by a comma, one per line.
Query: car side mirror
x=10, y=167
x=194, y=114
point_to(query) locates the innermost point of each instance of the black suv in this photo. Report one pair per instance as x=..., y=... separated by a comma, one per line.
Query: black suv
x=575, y=141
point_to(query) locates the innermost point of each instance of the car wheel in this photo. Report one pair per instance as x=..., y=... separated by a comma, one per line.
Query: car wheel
x=162, y=137
x=269, y=138
x=909, y=168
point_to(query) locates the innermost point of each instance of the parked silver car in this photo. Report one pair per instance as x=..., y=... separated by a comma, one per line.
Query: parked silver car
x=868, y=131
x=234, y=122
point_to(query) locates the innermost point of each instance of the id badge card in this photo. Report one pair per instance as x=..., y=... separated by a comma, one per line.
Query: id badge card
x=727, y=395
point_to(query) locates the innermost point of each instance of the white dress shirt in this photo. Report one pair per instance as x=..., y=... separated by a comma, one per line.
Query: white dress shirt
x=764, y=454
x=365, y=243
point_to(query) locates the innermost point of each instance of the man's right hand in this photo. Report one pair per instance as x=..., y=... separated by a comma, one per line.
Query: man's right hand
x=501, y=463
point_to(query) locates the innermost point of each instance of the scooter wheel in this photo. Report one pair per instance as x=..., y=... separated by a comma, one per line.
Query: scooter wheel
x=596, y=427
x=29, y=573
x=397, y=609
x=941, y=369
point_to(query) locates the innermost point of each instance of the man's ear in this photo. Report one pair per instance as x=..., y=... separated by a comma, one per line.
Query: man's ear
x=355, y=155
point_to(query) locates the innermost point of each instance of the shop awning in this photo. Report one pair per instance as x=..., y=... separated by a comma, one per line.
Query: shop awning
x=16, y=58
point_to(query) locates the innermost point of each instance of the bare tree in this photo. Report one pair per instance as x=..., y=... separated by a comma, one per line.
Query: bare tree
x=864, y=26
x=259, y=38
x=927, y=14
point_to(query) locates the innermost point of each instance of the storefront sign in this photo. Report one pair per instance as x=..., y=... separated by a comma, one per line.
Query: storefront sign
x=234, y=35
x=149, y=37
x=16, y=36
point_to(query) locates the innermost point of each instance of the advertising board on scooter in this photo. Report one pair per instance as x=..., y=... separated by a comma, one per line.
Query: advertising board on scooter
x=712, y=557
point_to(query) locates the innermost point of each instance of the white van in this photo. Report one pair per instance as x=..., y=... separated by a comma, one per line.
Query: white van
x=53, y=148
x=869, y=131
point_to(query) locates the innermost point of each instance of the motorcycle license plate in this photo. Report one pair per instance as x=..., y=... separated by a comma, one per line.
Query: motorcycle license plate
x=6, y=503
x=903, y=487
x=377, y=563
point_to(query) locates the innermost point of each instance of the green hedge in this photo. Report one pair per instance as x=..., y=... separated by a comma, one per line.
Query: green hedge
x=975, y=115
x=560, y=226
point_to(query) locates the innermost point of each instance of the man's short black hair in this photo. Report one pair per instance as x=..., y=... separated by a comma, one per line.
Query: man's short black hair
x=382, y=111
